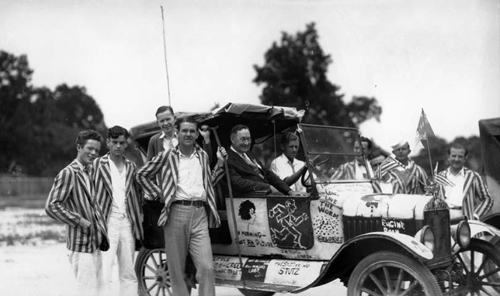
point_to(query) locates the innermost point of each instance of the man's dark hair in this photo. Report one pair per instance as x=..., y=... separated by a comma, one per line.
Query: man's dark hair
x=162, y=109
x=116, y=131
x=366, y=140
x=288, y=137
x=189, y=119
x=83, y=136
x=456, y=145
x=238, y=128
x=375, y=153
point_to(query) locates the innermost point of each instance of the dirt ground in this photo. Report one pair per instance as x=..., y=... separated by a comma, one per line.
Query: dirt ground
x=44, y=270
x=33, y=258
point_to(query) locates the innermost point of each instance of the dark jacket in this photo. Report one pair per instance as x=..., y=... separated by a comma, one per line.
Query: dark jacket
x=245, y=179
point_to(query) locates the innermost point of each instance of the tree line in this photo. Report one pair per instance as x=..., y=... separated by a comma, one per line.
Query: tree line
x=39, y=125
x=294, y=74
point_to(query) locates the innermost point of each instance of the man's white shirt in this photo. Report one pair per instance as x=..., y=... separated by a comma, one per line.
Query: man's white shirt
x=283, y=168
x=455, y=194
x=190, y=181
x=118, y=184
x=169, y=143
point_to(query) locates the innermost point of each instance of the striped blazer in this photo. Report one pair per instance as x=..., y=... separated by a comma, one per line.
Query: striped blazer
x=70, y=200
x=104, y=192
x=166, y=166
x=393, y=179
x=417, y=180
x=477, y=199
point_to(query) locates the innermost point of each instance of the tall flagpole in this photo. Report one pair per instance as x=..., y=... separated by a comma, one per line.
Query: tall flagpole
x=430, y=161
x=165, y=53
x=428, y=146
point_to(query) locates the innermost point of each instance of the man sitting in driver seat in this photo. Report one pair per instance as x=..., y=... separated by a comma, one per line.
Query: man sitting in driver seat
x=247, y=174
x=286, y=166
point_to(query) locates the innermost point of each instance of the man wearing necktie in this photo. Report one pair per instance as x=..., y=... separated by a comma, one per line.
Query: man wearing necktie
x=247, y=174
x=72, y=201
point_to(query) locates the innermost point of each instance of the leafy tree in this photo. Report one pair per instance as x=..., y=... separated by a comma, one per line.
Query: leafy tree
x=40, y=125
x=15, y=77
x=294, y=74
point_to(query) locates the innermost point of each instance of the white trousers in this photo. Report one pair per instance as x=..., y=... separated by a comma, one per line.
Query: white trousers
x=87, y=268
x=121, y=247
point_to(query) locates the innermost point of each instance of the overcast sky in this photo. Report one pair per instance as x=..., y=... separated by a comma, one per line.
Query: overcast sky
x=443, y=56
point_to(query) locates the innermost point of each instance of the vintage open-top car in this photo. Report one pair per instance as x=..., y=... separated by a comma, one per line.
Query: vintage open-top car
x=376, y=244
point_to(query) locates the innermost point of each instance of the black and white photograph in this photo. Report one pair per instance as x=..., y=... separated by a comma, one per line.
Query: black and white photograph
x=249, y=147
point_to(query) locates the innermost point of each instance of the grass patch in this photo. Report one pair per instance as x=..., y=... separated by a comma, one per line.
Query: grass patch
x=20, y=226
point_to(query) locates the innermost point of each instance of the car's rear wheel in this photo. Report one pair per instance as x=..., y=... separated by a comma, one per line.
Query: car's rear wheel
x=389, y=273
x=152, y=272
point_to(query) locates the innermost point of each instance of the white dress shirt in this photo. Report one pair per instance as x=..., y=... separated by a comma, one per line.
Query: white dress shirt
x=119, y=191
x=455, y=194
x=190, y=181
x=169, y=143
x=283, y=168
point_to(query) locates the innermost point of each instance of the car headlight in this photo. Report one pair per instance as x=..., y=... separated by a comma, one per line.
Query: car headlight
x=427, y=237
x=461, y=233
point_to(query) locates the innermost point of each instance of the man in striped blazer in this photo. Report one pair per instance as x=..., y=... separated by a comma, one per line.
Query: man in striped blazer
x=186, y=189
x=357, y=168
x=72, y=201
x=118, y=196
x=466, y=189
x=413, y=176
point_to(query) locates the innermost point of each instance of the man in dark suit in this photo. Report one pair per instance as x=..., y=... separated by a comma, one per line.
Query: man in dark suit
x=247, y=174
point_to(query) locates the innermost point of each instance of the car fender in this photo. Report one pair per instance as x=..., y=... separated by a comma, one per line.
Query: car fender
x=477, y=227
x=390, y=240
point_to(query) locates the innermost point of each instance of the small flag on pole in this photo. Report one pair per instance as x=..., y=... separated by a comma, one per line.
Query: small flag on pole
x=387, y=165
x=424, y=130
x=442, y=180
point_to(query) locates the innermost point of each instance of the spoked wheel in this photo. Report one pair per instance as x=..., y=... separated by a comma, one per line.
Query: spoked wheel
x=255, y=293
x=481, y=267
x=152, y=272
x=391, y=274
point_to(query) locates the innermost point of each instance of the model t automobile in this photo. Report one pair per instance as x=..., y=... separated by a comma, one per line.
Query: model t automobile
x=376, y=244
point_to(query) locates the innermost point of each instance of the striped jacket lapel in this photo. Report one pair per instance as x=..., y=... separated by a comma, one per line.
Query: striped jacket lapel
x=129, y=178
x=105, y=173
x=469, y=178
x=82, y=181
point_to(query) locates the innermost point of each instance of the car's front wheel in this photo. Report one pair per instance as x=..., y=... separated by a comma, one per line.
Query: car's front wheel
x=389, y=273
x=480, y=263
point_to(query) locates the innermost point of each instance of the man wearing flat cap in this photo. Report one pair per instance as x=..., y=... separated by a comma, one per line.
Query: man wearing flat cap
x=413, y=176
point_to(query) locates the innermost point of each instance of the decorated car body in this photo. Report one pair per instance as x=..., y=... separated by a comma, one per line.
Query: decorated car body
x=376, y=244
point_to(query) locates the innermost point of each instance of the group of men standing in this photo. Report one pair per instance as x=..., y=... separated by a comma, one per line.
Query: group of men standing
x=99, y=201
x=99, y=198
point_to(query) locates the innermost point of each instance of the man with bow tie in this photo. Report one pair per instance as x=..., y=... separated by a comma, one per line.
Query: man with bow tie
x=247, y=174
x=72, y=201
x=118, y=196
